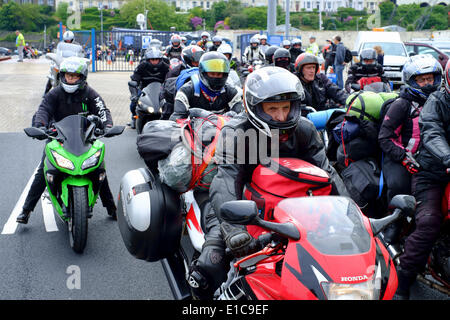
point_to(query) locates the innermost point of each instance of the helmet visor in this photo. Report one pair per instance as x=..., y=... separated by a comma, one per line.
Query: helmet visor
x=216, y=65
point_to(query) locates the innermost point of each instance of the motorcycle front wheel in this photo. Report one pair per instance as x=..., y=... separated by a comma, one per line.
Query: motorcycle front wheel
x=78, y=222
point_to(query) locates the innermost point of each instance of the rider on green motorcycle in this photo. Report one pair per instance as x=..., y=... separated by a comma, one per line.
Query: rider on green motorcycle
x=73, y=96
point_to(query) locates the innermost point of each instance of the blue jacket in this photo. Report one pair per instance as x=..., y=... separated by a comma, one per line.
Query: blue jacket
x=340, y=54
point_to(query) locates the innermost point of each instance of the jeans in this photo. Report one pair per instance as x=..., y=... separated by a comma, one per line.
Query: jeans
x=339, y=70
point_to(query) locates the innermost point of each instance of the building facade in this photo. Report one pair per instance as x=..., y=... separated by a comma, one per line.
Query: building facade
x=83, y=4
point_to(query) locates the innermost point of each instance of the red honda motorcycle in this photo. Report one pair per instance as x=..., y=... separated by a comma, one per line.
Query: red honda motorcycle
x=307, y=248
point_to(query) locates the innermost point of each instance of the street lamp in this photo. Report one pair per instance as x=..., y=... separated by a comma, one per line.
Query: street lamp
x=357, y=20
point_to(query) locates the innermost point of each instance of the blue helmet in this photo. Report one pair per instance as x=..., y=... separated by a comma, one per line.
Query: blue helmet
x=419, y=65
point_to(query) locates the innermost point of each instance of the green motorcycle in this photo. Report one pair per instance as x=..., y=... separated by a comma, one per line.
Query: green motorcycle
x=74, y=170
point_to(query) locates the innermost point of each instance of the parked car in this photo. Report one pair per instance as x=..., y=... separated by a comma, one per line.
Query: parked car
x=5, y=51
x=425, y=48
x=395, y=54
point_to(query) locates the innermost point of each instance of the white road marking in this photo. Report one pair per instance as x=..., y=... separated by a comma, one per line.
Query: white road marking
x=11, y=224
x=47, y=212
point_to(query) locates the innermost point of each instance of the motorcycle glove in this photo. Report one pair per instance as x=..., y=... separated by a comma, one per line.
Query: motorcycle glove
x=134, y=98
x=410, y=163
x=238, y=240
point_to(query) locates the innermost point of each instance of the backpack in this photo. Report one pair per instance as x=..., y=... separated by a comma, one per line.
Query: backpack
x=362, y=179
x=348, y=55
x=385, y=107
x=184, y=76
x=285, y=178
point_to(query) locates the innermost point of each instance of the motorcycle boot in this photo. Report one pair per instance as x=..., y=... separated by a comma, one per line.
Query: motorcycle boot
x=405, y=280
x=23, y=216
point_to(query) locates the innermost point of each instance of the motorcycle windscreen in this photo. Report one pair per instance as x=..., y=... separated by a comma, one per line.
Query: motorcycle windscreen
x=151, y=97
x=73, y=129
x=332, y=225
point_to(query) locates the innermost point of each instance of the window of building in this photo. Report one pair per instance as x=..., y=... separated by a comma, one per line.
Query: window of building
x=308, y=5
x=81, y=5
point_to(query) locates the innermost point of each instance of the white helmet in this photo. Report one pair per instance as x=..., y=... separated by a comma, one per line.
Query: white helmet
x=68, y=36
x=225, y=48
x=73, y=65
x=204, y=34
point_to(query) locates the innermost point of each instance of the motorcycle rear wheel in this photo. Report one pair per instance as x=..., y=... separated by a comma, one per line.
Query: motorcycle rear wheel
x=78, y=222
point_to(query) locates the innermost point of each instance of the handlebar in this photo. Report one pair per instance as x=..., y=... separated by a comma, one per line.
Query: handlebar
x=262, y=241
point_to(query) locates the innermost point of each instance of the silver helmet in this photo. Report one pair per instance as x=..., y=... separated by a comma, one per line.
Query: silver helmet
x=419, y=65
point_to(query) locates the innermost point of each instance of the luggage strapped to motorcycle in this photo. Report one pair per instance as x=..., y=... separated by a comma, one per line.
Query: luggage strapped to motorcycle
x=190, y=138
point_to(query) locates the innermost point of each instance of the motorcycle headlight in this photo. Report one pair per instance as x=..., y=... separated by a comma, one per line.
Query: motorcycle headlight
x=367, y=290
x=91, y=161
x=62, y=161
x=150, y=109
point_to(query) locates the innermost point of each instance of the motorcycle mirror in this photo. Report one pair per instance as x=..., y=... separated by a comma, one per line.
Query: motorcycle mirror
x=406, y=203
x=114, y=131
x=355, y=87
x=239, y=211
x=35, y=133
x=133, y=84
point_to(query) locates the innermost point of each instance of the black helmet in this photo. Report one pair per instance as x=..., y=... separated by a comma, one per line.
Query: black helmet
x=282, y=58
x=272, y=84
x=368, y=54
x=269, y=53
x=304, y=59
x=191, y=54
x=213, y=61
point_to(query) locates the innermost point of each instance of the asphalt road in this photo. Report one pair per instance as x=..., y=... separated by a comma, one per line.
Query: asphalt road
x=39, y=264
x=36, y=264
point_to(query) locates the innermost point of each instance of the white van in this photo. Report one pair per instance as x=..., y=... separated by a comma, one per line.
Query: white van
x=395, y=54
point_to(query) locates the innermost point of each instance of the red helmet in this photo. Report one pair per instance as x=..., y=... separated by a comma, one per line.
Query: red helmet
x=306, y=58
x=447, y=77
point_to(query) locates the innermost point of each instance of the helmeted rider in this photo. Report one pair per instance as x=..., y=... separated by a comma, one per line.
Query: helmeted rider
x=296, y=48
x=269, y=54
x=429, y=183
x=318, y=88
x=286, y=44
x=73, y=96
x=66, y=48
x=233, y=77
x=367, y=67
x=252, y=52
x=204, y=40
x=272, y=98
x=175, y=48
x=184, y=41
x=211, y=91
x=282, y=59
x=150, y=70
x=190, y=57
x=216, y=42
x=263, y=45
x=399, y=135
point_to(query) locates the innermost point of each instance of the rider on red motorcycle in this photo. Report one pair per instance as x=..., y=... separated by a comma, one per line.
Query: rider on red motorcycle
x=367, y=67
x=428, y=185
x=272, y=98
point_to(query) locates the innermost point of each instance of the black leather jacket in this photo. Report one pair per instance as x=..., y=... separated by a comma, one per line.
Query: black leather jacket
x=434, y=123
x=320, y=90
x=234, y=168
x=145, y=73
x=228, y=100
x=358, y=71
x=58, y=104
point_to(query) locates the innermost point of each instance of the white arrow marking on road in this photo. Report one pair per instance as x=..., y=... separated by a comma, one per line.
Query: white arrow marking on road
x=47, y=211
x=11, y=224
